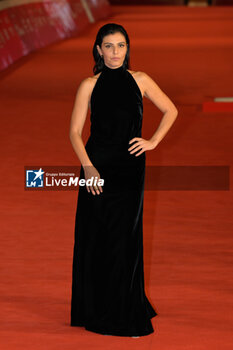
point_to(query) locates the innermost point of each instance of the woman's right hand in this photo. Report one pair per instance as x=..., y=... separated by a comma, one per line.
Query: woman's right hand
x=89, y=172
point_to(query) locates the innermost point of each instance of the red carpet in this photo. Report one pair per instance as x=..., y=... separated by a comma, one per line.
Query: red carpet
x=187, y=234
x=217, y=106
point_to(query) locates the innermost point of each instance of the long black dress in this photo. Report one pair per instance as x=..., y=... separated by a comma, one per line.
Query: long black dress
x=108, y=294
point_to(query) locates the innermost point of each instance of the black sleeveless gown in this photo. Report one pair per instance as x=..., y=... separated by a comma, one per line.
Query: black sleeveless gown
x=108, y=295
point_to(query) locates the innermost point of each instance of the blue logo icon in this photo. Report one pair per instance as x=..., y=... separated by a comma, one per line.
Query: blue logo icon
x=35, y=178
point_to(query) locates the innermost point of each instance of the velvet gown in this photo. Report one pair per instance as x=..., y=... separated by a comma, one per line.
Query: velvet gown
x=108, y=295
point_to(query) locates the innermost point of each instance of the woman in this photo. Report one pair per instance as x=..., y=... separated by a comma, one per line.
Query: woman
x=108, y=294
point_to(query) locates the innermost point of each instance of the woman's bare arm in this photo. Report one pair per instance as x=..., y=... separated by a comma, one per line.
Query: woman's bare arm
x=161, y=100
x=78, y=118
x=152, y=91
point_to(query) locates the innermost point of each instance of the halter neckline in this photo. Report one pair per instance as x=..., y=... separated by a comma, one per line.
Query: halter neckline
x=113, y=70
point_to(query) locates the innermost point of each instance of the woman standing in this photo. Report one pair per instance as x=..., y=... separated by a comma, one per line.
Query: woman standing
x=108, y=295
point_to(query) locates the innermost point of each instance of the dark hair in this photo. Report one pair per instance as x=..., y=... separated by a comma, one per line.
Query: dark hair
x=109, y=28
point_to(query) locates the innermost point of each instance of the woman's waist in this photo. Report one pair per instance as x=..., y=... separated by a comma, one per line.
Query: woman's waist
x=108, y=141
x=120, y=142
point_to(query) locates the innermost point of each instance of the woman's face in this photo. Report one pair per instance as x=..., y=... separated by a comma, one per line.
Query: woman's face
x=113, y=49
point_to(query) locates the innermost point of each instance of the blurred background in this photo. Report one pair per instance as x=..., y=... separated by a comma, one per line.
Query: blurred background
x=186, y=47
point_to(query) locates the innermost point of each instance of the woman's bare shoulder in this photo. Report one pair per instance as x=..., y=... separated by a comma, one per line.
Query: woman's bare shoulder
x=92, y=80
x=89, y=80
x=138, y=74
x=88, y=83
x=96, y=76
x=142, y=77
